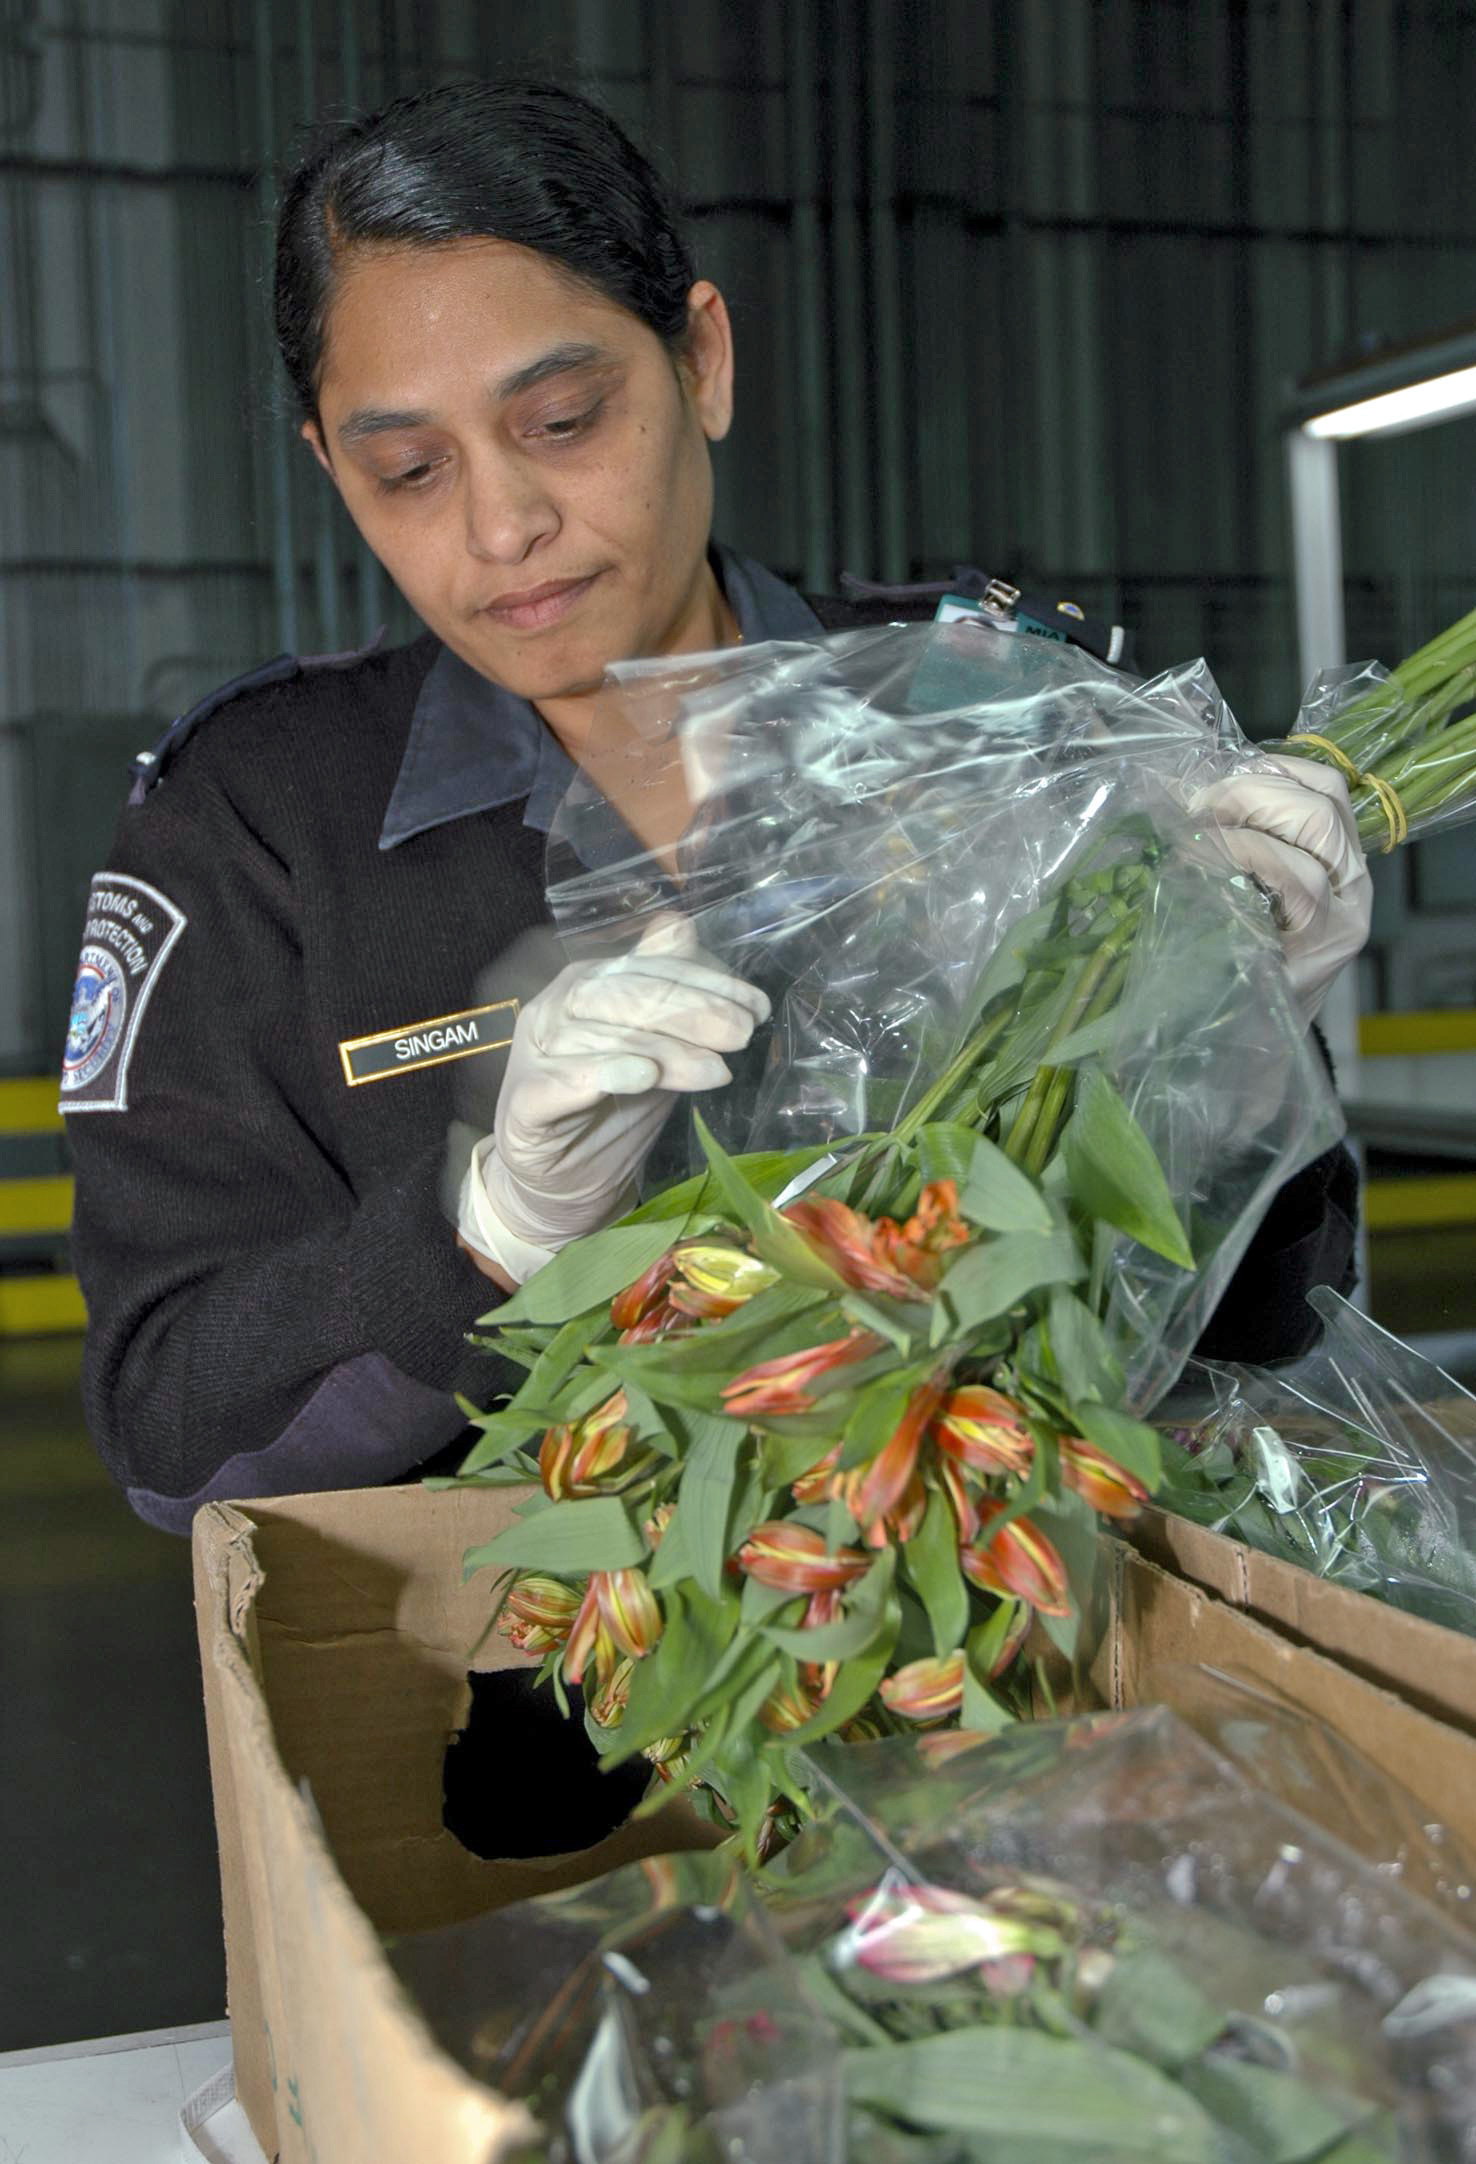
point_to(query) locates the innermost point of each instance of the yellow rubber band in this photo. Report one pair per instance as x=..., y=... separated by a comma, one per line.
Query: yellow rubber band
x=1386, y=793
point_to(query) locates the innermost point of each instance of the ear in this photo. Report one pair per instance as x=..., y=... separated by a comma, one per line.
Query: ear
x=707, y=359
x=312, y=436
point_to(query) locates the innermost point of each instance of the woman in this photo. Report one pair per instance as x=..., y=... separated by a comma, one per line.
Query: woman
x=508, y=368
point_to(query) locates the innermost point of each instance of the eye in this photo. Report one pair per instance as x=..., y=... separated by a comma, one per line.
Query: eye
x=568, y=426
x=410, y=477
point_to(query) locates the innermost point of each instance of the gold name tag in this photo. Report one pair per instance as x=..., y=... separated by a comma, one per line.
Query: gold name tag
x=428, y=1044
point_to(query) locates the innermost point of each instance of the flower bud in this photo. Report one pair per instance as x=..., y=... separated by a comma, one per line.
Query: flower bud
x=925, y=1934
x=629, y=1610
x=716, y=1279
x=609, y=1701
x=782, y=1385
x=1109, y=1487
x=983, y=1431
x=573, y=1460
x=926, y=1690
x=645, y=1296
x=794, y=1559
x=538, y=1614
x=1018, y=1560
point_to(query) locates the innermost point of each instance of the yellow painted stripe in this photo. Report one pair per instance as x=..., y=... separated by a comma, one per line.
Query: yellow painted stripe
x=28, y=1105
x=40, y=1306
x=1404, y=1205
x=1431, y=1029
x=40, y=1205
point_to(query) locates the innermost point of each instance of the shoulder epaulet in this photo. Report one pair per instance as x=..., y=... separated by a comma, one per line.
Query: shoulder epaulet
x=149, y=767
x=1063, y=620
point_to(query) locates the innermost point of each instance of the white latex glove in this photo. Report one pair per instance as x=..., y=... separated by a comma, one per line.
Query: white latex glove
x=1291, y=827
x=595, y=1064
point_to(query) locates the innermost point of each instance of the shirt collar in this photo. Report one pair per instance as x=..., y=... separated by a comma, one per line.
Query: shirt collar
x=474, y=746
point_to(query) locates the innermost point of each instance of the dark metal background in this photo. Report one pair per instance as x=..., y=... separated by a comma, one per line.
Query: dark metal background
x=1020, y=285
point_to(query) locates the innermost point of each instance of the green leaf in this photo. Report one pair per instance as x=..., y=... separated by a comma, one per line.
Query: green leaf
x=784, y=1458
x=989, y=1279
x=668, y=1682
x=876, y=1413
x=586, y=1274
x=1070, y=1524
x=1024, y=2086
x=930, y=1559
x=1149, y=2006
x=854, y=1686
x=999, y=1196
x=1083, y=1358
x=566, y=1538
x=1279, y=2118
x=1116, y=1176
x=945, y=1150
x=853, y=1633
x=671, y=1562
x=503, y=1431
x=774, y=1238
x=767, y=1172
x=1128, y=1442
x=708, y=1479
x=983, y=1710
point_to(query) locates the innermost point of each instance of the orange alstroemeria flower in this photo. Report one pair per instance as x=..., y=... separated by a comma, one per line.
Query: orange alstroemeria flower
x=880, y=1255
x=794, y=1559
x=926, y=1690
x=572, y=1460
x=818, y=1485
x=846, y=1240
x=1018, y=1560
x=889, y=1476
x=646, y=1295
x=984, y=1431
x=1109, y=1487
x=538, y=1614
x=782, y=1385
x=917, y=1248
x=965, y=1507
x=629, y=1610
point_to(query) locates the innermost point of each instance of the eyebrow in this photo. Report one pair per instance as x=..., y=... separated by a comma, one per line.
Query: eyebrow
x=564, y=360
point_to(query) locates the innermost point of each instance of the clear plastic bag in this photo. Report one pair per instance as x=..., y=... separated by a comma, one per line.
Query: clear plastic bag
x=887, y=829
x=1117, y=1895
x=649, y=2018
x=1357, y=1462
x=1079, y=1942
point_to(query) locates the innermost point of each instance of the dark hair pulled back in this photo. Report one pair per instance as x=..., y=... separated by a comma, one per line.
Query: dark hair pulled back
x=526, y=162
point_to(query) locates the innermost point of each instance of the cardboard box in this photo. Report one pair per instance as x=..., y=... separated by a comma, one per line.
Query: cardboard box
x=1428, y=1666
x=334, y=1632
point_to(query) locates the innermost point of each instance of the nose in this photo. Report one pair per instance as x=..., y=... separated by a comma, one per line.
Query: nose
x=509, y=510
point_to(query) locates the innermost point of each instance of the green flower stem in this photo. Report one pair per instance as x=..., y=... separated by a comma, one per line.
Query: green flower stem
x=1033, y=1132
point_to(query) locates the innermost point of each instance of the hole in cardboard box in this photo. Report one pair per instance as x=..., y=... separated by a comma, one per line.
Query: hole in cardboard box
x=520, y=1780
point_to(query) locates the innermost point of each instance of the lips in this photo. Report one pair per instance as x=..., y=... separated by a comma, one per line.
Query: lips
x=536, y=607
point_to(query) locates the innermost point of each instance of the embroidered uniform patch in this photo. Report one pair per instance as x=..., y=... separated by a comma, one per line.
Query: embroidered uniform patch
x=130, y=930
x=428, y=1044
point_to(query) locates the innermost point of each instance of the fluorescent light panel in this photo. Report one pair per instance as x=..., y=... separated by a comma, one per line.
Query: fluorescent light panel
x=1438, y=398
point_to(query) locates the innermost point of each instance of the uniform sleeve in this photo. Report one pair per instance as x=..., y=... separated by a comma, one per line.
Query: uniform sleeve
x=256, y=1324
x=1308, y=1237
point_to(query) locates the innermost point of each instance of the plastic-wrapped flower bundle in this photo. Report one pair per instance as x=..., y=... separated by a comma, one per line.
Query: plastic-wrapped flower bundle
x=1098, y=1939
x=1357, y=1462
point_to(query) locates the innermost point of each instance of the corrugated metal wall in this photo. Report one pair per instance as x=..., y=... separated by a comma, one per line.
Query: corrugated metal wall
x=1017, y=285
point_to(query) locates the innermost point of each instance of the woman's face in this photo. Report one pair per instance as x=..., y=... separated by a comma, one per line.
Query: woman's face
x=524, y=459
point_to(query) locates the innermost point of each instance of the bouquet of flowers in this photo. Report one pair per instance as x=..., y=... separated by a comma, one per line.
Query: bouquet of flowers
x=822, y=1430
x=1357, y=1463
x=1101, y=1939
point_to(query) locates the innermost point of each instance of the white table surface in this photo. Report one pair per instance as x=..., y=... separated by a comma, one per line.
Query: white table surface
x=119, y=2100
